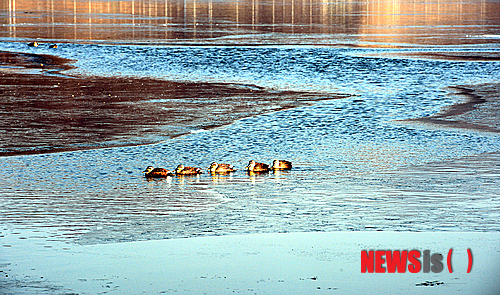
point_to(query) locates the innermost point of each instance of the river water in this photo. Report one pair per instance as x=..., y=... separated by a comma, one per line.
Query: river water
x=357, y=164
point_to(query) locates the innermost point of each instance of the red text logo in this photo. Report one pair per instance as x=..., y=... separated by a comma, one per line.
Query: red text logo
x=382, y=261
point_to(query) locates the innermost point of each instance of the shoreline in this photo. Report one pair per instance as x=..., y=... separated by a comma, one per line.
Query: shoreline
x=49, y=113
x=459, y=115
x=77, y=113
x=464, y=56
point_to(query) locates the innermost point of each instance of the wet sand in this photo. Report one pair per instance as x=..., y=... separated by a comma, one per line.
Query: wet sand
x=43, y=110
x=477, y=107
x=457, y=56
x=480, y=110
x=478, y=56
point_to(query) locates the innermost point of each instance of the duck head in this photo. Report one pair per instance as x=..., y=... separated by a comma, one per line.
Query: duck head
x=179, y=168
x=251, y=165
x=148, y=169
x=213, y=167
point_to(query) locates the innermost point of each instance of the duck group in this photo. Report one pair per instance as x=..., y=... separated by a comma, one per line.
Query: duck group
x=36, y=44
x=217, y=168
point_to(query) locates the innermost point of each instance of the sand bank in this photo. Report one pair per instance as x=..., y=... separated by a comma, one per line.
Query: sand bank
x=475, y=56
x=42, y=110
x=477, y=108
x=293, y=263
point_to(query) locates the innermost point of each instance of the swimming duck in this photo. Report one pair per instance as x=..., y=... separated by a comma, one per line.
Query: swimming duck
x=181, y=170
x=151, y=172
x=53, y=46
x=257, y=167
x=220, y=168
x=33, y=44
x=281, y=165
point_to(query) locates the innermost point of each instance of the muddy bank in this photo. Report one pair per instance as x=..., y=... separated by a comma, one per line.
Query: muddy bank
x=458, y=56
x=44, y=111
x=478, y=109
x=477, y=106
x=475, y=56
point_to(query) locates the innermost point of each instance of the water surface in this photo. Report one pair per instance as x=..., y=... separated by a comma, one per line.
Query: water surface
x=379, y=22
x=357, y=164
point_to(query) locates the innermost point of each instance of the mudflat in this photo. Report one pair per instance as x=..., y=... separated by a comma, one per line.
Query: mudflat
x=43, y=110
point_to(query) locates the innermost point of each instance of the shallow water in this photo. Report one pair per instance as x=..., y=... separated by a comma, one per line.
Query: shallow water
x=355, y=167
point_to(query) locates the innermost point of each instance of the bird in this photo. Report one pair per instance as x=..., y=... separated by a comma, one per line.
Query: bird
x=181, y=170
x=53, y=46
x=151, y=172
x=281, y=165
x=257, y=167
x=33, y=44
x=220, y=168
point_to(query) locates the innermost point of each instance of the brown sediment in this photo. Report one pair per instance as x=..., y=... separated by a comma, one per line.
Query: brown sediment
x=480, y=111
x=453, y=56
x=459, y=56
x=42, y=111
x=33, y=61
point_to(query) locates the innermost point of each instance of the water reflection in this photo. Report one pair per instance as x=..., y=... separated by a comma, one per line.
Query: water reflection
x=316, y=21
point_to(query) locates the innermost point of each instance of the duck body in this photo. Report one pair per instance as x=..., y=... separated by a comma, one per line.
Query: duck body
x=257, y=167
x=281, y=165
x=53, y=46
x=182, y=170
x=151, y=172
x=33, y=44
x=221, y=168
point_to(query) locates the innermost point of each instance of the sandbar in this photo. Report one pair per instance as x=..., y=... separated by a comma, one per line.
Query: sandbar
x=43, y=110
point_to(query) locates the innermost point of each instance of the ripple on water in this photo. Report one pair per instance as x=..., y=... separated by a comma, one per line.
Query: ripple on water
x=354, y=167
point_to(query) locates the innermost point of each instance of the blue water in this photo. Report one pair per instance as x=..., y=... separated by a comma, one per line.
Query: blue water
x=356, y=166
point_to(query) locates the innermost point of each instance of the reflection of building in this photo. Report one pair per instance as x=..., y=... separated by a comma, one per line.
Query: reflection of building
x=152, y=19
x=188, y=19
x=436, y=21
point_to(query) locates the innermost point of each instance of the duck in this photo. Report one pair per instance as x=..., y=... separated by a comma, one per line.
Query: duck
x=181, y=170
x=281, y=165
x=257, y=167
x=151, y=172
x=33, y=44
x=53, y=46
x=220, y=168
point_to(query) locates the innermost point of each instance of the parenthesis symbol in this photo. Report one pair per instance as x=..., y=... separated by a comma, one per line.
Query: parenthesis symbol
x=470, y=260
x=449, y=261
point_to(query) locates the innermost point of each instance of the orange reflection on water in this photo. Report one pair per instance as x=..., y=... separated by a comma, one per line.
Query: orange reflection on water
x=268, y=21
x=431, y=22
